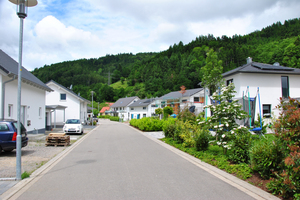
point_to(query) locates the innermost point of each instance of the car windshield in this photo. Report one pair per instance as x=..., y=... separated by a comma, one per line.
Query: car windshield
x=73, y=121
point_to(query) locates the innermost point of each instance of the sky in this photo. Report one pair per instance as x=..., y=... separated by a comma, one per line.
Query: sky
x=63, y=30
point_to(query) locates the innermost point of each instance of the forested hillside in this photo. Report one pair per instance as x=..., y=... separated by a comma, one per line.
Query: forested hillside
x=155, y=74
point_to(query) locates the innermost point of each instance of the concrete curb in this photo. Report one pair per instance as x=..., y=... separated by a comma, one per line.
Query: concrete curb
x=24, y=184
x=249, y=189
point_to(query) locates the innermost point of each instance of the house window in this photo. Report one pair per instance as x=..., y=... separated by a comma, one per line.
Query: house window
x=184, y=100
x=40, y=111
x=63, y=97
x=196, y=99
x=131, y=108
x=229, y=81
x=144, y=115
x=10, y=110
x=267, y=110
x=144, y=108
x=117, y=108
x=285, y=86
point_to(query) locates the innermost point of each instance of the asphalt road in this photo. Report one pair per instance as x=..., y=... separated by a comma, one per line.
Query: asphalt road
x=117, y=162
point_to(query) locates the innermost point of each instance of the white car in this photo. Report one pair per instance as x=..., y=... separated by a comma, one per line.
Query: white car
x=73, y=126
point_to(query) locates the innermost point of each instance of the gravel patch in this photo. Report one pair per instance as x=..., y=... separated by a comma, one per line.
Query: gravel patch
x=34, y=155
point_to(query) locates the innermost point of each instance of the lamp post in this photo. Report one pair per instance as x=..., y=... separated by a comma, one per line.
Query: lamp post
x=22, y=6
x=92, y=107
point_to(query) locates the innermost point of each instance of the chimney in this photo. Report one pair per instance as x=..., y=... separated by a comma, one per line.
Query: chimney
x=249, y=60
x=276, y=64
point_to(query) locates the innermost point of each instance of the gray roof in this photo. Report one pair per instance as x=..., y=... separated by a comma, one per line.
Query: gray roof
x=70, y=91
x=123, y=102
x=142, y=102
x=255, y=67
x=177, y=94
x=10, y=66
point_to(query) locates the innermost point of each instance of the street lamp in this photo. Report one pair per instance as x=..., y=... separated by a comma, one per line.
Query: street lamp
x=22, y=6
x=92, y=106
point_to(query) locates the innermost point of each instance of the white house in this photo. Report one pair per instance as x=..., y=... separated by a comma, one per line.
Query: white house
x=63, y=104
x=143, y=108
x=192, y=99
x=121, y=107
x=32, y=95
x=274, y=81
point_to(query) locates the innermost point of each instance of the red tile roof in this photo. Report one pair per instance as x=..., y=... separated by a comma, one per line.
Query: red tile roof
x=104, y=109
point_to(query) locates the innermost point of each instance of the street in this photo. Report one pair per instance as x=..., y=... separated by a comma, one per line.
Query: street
x=116, y=161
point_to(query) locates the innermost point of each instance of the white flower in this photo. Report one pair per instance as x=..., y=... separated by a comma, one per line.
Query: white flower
x=218, y=143
x=226, y=125
x=223, y=135
x=198, y=120
x=221, y=125
x=232, y=132
x=224, y=143
x=216, y=126
x=201, y=122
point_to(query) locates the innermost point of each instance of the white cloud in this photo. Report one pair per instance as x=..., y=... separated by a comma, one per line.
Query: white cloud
x=57, y=30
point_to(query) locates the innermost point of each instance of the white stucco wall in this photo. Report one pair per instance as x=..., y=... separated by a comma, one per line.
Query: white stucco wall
x=269, y=87
x=139, y=110
x=75, y=109
x=32, y=102
x=125, y=113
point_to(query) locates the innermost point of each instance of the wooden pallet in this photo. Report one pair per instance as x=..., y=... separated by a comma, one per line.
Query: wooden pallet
x=57, y=139
x=57, y=144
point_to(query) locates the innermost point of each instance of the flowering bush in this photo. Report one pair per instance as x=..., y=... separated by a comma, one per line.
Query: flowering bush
x=224, y=115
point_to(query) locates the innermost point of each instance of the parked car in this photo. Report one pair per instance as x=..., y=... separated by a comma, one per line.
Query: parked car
x=73, y=126
x=8, y=135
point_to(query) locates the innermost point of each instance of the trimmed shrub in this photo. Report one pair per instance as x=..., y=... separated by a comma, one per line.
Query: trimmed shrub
x=169, y=130
x=202, y=137
x=151, y=123
x=240, y=143
x=265, y=157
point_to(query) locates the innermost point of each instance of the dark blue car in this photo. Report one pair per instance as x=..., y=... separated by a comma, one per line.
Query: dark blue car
x=8, y=135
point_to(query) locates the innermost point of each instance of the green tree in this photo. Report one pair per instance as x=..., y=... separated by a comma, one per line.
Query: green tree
x=167, y=111
x=212, y=72
x=158, y=111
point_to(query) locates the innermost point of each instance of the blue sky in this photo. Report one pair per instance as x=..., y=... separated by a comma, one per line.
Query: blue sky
x=61, y=30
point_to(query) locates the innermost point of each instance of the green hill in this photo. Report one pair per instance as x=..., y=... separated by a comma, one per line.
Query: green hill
x=155, y=74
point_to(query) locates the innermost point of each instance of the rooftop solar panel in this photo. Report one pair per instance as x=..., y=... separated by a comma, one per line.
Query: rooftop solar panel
x=271, y=67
